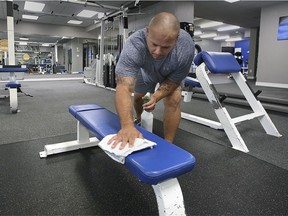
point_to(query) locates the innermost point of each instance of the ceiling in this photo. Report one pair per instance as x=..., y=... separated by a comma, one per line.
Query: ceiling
x=244, y=13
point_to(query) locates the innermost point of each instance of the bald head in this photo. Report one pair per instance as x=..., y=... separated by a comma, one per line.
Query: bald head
x=162, y=34
x=166, y=23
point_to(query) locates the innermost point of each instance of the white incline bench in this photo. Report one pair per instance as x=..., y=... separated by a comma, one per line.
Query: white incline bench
x=225, y=63
x=158, y=166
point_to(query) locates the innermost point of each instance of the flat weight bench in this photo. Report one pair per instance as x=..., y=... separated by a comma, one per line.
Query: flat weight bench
x=220, y=62
x=159, y=166
x=13, y=85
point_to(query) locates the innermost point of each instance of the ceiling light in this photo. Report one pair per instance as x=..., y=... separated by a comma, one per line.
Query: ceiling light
x=87, y=13
x=77, y=22
x=33, y=6
x=198, y=32
x=100, y=15
x=24, y=38
x=224, y=37
x=30, y=17
x=210, y=24
x=65, y=37
x=233, y=39
x=231, y=1
x=209, y=35
x=227, y=28
x=45, y=44
x=22, y=43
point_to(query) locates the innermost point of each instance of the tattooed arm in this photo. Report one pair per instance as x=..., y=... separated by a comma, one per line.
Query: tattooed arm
x=124, y=89
x=165, y=88
x=123, y=101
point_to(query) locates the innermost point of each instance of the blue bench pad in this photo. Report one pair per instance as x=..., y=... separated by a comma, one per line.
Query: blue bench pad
x=218, y=62
x=13, y=84
x=5, y=70
x=192, y=82
x=151, y=166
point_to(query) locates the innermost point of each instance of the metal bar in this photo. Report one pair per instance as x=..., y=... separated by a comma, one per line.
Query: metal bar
x=203, y=121
x=67, y=146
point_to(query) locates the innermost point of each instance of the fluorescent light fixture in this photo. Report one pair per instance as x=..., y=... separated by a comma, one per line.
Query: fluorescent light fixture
x=31, y=17
x=233, y=39
x=227, y=28
x=87, y=13
x=24, y=38
x=209, y=35
x=100, y=15
x=22, y=43
x=65, y=37
x=45, y=44
x=77, y=22
x=33, y=6
x=210, y=24
x=224, y=37
x=231, y=1
x=198, y=32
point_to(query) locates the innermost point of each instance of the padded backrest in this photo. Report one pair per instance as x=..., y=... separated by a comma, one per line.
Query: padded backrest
x=218, y=62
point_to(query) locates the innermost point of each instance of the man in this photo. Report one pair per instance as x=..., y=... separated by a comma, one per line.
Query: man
x=160, y=53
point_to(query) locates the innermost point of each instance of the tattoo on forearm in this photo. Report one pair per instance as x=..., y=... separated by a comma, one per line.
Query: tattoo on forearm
x=168, y=86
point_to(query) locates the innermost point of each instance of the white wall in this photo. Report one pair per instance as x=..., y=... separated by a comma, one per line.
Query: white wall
x=77, y=55
x=209, y=45
x=272, y=57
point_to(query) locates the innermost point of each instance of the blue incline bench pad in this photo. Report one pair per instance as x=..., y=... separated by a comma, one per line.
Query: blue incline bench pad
x=192, y=82
x=218, y=62
x=151, y=166
x=10, y=69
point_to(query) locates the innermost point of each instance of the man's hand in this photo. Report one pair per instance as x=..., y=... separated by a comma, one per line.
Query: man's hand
x=125, y=136
x=150, y=105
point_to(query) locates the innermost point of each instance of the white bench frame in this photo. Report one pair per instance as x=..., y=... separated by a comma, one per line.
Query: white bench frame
x=226, y=122
x=168, y=193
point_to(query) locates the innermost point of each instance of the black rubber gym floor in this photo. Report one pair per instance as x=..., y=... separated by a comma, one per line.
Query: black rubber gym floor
x=88, y=182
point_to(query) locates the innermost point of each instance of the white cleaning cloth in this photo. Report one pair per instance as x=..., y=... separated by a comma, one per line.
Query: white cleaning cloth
x=119, y=155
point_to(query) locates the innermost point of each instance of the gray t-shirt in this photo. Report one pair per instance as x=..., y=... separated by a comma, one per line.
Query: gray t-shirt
x=136, y=60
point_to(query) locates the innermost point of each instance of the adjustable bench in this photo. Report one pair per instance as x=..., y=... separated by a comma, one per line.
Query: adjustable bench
x=225, y=63
x=13, y=85
x=158, y=166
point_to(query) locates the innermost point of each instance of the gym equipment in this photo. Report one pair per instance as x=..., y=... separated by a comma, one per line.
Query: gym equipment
x=220, y=62
x=13, y=85
x=159, y=166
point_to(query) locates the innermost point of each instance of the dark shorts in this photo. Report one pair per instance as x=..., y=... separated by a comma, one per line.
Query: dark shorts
x=144, y=87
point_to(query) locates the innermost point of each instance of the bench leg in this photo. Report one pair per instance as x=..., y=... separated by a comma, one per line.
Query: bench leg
x=256, y=106
x=169, y=198
x=83, y=141
x=13, y=100
x=221, y=112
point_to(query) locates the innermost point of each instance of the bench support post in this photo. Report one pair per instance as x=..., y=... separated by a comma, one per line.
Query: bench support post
x=256, y=106
x=13, y=100
x=83, y=141
x=169, y=198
